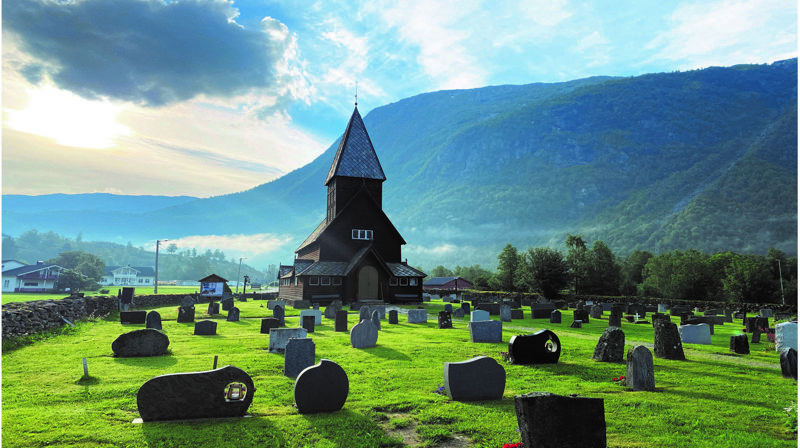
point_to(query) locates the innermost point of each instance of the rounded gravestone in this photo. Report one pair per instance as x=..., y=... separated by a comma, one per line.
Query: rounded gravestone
x=153, y=320
x=145, y=342
x=321, y=388
x=740, y=345
x=364, y=334
x=667, y=341
x=639, y=373
x=611, y=346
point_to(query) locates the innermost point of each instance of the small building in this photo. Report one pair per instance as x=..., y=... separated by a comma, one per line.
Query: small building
x=128, y=276
x=454, y=283
x=355, y=252
x=39, y=277
x=214, y=287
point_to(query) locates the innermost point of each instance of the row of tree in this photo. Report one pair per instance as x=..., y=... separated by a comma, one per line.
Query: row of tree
x=689, y=274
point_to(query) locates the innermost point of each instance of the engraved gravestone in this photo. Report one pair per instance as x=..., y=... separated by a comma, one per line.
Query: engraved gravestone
x=205, y=328
x=611, y=346
x=485, y=331
x=639, y=373
x=233, y=315
x=145, y=342
x=667, y=341
x=132, y=317
x=555, y=317
x=340, y=324
x=542, y=347
x=279, y=337
x=364, y=334
x=445, y=320
x=393, y=317
x=299, y=355
x=549, y=420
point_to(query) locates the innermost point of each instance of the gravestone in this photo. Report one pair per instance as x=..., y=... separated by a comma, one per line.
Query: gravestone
x=657, y=317
x=785, y=336
x=695, y=334
x=517, y=314
x=269, y=323
x=183, y=396
x=271, y=304
x=740, y=345
x=330, y=312
x=667, y=341
x=478, y=315
x=445, y=320
x=596, y=312
x=789, y=363
x=381, y=309
x=301, y=304
x=364, y=313
x=459, y=312
x=555, y=317
x=279, y=314
x=205, y=328
x=615, y=319
x=279, y=337
x=186, y=314
x=581, y=315
x=376, y=319
x=153, y=320
x=364, y=334
x=639, y=373
x=125, y=296
x=728, y=316
x=417, y=316
x=618, y=308
x=766, y=313
x=753, y=323
x=708, y=320
x=541, y=310
x=227, y=304
x=132, y=317
x=485, y=331
x=213, y=308
x=321, y=388
x=505, y=313
x=466, y=307
x=435, y=297
x=637, y=308
x=299, y=355
x=611, y=346
x=477, y=379
x=448, y=307
x=542, y=347
x=393, y=317
x=187, y=301
x=549, y=420
x=145, y=342
x=756, y=336
x=576, y=324
x=233, y=315
x=307, y=323
x=316, y=314
x=340, y=324
x=663, y=307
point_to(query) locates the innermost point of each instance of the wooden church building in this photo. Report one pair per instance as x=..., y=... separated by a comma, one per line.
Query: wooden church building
x=354, y=254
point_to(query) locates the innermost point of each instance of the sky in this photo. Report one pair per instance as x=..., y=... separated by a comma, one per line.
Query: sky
x=210, y=97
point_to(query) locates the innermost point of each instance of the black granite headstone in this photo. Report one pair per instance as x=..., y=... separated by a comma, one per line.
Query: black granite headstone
x=542, y=347
x=393, y=317
x=227, y=304
x=448, y=307
x=517, y=314
x=279, y=314
x=182, y=396
x=555, y=317
x=480, y=378
x=205, y=328
x=186, y=314
x=549, y=420
x=581, y=315
x=321, y=388
x=145, y=342
x=614, y=319
x=740, y=345
x=132, y=317
x=541, y=310
x=789, y=363
x=213, y=308
x=233, y=315
x=308, y=323
x=445, y=319
x=340, y=324
x=268, y=324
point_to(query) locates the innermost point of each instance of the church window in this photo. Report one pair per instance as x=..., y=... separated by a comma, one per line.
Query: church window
x=337, y=281
x=325, y=281
x=313, y=280
x=393, y=281
x=360, y=234
x=403, y=281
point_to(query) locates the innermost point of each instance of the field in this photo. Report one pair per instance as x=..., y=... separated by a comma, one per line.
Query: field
x=713, y=399
x=9, y=297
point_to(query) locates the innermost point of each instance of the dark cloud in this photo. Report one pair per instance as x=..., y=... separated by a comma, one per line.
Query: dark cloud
x=145, y=51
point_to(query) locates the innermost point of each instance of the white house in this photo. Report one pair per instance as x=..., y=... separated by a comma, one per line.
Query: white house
x=128, y=276
x=39, y=277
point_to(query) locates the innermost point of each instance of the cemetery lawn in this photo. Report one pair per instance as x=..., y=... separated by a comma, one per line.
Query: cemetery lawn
x=713, y=399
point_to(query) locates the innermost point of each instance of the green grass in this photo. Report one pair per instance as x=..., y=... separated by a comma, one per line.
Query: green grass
x=9, y=297
x=714, y=399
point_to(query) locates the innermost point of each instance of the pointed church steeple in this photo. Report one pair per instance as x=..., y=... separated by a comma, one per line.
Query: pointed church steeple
x=355, y=166
x=355, y=156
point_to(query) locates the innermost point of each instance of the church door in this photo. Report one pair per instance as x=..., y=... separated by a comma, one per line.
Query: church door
x=368, y=283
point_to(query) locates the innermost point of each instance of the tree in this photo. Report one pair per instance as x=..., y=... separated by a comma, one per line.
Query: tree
x=603, y=271
x=172, y=248
x=747, y=279
x=72, y=280
x=508, y=261
x=84, y=263
x=577, y=260
x=543, y=270
x=441, y=271
x=631, y=271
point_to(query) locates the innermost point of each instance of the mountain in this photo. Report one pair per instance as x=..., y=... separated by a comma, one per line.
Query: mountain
x=704, y=159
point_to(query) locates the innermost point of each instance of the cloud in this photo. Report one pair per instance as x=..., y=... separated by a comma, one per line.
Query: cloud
x=728, y=32
x=148, y=52
x=255, y=245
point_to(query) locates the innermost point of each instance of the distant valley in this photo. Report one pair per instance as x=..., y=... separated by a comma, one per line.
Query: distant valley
x=705, y=159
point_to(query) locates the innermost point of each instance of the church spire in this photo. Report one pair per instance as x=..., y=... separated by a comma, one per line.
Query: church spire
x=355, y=156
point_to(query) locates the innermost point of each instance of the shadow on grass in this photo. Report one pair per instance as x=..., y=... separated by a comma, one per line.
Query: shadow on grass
x=150, y=362
x=387, y=353
x=349, y=428
x=227, y=432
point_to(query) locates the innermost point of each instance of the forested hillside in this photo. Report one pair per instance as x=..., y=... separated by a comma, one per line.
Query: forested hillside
x=705, y=159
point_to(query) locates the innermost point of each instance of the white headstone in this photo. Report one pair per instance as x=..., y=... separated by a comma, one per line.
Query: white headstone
x=785, y=336
x=479, y=315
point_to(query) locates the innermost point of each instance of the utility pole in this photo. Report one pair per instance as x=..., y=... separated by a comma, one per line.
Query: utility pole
x=239, y=272
x=780, y=275
x=155, y=285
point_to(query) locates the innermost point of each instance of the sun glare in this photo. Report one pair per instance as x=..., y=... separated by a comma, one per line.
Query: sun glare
x=69, y=119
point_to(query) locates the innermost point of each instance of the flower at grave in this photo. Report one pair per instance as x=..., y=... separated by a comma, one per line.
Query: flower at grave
x=513, y=445
x=439, y=389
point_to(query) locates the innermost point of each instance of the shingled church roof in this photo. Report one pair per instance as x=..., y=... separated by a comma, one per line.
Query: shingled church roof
x=355, y=156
